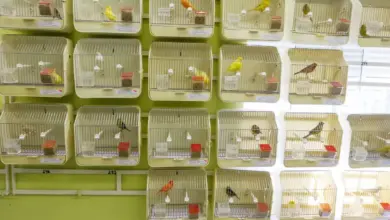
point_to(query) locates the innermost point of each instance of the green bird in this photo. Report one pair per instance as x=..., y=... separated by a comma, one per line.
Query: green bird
x=306, y=10
x=363, y=31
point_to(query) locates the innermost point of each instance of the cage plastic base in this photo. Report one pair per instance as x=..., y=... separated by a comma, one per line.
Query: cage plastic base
x=318, y=39
x=100, y=161
x=182, y=31
x=370, y=162
x=33, y=91
x=374, y=42
x=108, y=93
x=242, y=97
x=310, y=163
x=108, y=27
x=179, y=96
x=230, y=163
x=323, y=100
x=164, y=162
x=245, y=34
x=33, y=23
x=25, y=160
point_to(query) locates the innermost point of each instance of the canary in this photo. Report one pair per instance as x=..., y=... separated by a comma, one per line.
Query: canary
x=363, y=31
x=167, y=187
x=203, y=74
x=316, y=131
x=262, y=6
x=306, y=10
x=109, y=14
x=56, y=79
x=308, y=69
x=236, y=65
x=187, y=4
x=255, y=130
x=121, y=125
x=385, y=149
x=230, y=192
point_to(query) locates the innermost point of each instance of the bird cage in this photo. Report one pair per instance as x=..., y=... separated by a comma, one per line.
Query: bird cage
x=249, y=74
x=307, y=195
x=375, y=23
x=36, y=134
x=108, y=135
x=370, y=141
x=35, y=66
x=107, y=68
x=51, y=15
x=180, y=71
x=179, y=138
x=312, y=139
x=251, y=20
x=177, y=194
x=322, y=21
x=240, y=194
x=318, y=76
x=366, y=196
x=108, y=16
x=182, y=18
x=246, y=138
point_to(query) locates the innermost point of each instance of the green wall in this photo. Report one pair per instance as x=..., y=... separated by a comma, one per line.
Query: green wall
x=100, y=207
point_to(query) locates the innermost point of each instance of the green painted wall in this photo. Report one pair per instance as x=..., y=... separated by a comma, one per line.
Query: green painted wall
x=100, y=207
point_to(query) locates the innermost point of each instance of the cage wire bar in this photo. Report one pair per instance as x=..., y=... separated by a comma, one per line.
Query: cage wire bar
x=179, y=137
x=35, y=66
x=370, y=140
x=108, y=16
x=312, y=195
x=312, y=139
x=322, y=21
x=106, y=68
x=36, y=134
x=177, y=194
x=171, y=18
x=249, y=73
x=35, y=14
x=318, y=76
x=108, y=135
x=246, y=138
x=367, y=195
x=241, y=22
x=180, y=71
x=240, y=194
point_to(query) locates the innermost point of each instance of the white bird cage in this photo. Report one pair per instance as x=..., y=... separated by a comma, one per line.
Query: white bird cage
x=249, y=74
x=179, y=138
x=253, y=19
x=307, y=195
x=246, y=138
x=182, y=18
x=35, y=66
x=36, y=134
x=242, y=195
x=312, y=139
x=108, y=135
x=177, y=194
x=180, y=71
x=375, y=23
x=108, y=16
x=318, y=76
x=54, y=15
x=370, y=141
x=322, y=21
x=108, y=68
x=366, y=196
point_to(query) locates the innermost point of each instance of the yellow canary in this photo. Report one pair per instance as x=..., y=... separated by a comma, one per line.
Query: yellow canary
x=385, y=149
x=56, y=79
x=236, y=65
x=203, y=74
x=306, y=9
x=363, y=31
x=262, y=6
x=109, y=14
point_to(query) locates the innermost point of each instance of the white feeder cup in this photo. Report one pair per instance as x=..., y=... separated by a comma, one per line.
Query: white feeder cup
x=231, y=200
x=118, y=136
x=186, y=198
x=167, y=199
x=267, y=10
x=45, y=133
x=169, y=138
x=96, y=69
x=171, y=6
x=188, y=136
x=170, y=72
x=22, y=136
x=243, y=12
x=119, y=66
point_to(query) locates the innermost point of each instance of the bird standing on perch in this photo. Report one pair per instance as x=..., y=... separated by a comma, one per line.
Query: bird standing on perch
x=363, y=31
x=263, y=6
x=236, y=66
x=309, y=69
x=316, y=131
x=231, y=193
x=187, y=4
x=121, y=125
x=255, y=130
x=307, y=12
x=109, y=13
x=167, y=187
x=56, y=79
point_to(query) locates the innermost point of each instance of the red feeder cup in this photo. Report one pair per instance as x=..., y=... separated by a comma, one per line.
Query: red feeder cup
x=325, y=210
x=331, y=151
x=276, y=22
x=49, y=147
x=127, y=79
x=127, y=14
x=265, y=150
x=44, y=8
x=123, y=149
x=272, y=84
x=193, y=211
x=200, y=17
x=197, y=82
x=262, y=209
x=196, y=150
x=46, y=75
x=385, y=209
x=335, y=88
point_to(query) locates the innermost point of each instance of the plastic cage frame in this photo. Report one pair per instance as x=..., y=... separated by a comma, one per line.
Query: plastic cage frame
x=246, y=138
x=48, y=57
x=108, y=135
x=108, y=68
x=46, y=130
x=179, y=137
x=241, y=22
x=120, y=17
